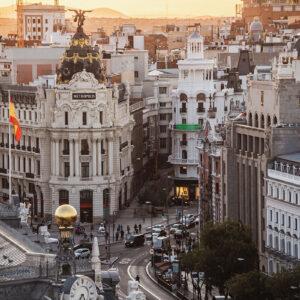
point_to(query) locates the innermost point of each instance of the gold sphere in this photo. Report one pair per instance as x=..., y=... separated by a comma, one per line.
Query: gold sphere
x=65, y=215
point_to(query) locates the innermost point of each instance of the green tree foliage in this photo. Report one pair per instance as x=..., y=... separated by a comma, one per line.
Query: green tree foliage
x=226, y=249
x=249, y=286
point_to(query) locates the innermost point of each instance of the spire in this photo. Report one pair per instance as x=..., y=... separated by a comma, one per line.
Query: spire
x=96, y=264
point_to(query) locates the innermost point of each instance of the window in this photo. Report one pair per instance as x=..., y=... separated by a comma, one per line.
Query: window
x=46, y=21
x=184, y=154
x=163, y=117
x=163, y=90
x=262, y=98
x=298, y=102
x=101, y=117
x=183, y=121
x=200, y=122
x=37, y=143
x=136, y=74
x=276, y=217
x=67, y=169
x=84, y=119
x=163, y=143
x=282, y=245
x=39, y=21
x=282, y=219
x=296, y=224
x=39, y=29
x=63, y=197
x=66, y=118
x=271, y=215
x=200, y=107
x=183, y=97
x=296, y=198
x=24, y=164
x=34, y=29
x=217, y=188
x=270, y=240
x=85, y=172
x=38, y=166
x=162, y=104
x=66, y=149
x=289, y=221
x=183, y=170
x=201, y=97
x=163, y=128
x=24, y=114
x=296, y=250
x=84, y=147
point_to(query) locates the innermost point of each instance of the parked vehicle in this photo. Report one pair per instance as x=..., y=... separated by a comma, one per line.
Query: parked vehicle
x=82, y=253
x=101, y=229
x=159, y=226
x=175, y=227
x=135, y=240
x=84, y=245
x=187, y=218
x=148, y=238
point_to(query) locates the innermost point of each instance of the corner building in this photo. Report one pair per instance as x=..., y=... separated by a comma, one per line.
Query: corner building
x=76, y=144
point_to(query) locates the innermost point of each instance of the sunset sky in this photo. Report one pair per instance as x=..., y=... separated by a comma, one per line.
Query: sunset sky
x=159, y=8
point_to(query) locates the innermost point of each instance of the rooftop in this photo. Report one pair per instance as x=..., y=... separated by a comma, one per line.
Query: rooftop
x=292, y=157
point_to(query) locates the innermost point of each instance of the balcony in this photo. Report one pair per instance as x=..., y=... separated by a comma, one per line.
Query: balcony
x=29, y=175
x=2, y=144
x=7, y=145
x=12, y=146
x=187, y=126
x=28, y=148
x=23, y=147
x=66, y=152
x=102, y=151
x=183, y=110
x=18, y=146
x=200, y=110
x=3, y=170
x=183, y=143
x=211, y=113
x=85, y=152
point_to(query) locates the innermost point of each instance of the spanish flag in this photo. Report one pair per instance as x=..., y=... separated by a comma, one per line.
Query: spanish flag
x=14, y=120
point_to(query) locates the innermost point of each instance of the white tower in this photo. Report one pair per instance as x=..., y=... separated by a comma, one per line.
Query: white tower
x=195, y=46
x=96, y=264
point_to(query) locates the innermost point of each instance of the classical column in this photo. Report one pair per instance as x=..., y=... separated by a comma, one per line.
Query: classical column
x=99, y=158
x=76, y=157
x=57, y=157
x=110, y=156
x=94, y=145
x=52, y=157
x=71, y=158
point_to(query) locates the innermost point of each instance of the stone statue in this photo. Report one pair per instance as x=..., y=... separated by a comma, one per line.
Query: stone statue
x=23, y=212
x=79, y=17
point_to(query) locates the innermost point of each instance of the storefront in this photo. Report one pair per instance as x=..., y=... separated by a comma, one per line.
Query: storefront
x=186, y=189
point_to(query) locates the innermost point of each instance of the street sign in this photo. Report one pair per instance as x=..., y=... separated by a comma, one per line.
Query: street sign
x=151, y=251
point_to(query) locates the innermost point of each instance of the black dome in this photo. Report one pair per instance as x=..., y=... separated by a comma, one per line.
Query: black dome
x=78, y=57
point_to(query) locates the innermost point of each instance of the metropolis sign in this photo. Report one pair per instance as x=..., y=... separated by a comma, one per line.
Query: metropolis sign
x=83, y=96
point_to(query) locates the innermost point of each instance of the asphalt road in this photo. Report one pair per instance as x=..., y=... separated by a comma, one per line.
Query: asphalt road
x=132, y=262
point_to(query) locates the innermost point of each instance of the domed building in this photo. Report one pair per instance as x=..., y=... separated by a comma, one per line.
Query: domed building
x=80, y=56
x=256, y=30
x=77, y=139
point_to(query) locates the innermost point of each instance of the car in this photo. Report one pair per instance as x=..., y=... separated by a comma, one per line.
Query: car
x=82, y=253
x=84, y=245
x=159, y=226
x=101, y=229
x=187, y=218
x=135, y=240
x=175, y=227
x=197, y=220
x=179, y=234
x=156, y=230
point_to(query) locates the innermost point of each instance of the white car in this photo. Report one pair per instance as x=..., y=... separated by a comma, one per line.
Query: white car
x=82, y=253
x=50, y=240
x=101, y=229
x=197, y=220
x=159, y=226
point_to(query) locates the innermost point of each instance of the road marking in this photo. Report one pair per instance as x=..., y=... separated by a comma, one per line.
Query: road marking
x=128, y=272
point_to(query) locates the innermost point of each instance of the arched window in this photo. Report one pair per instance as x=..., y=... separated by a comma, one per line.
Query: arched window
x=222, y=86
x=256, y=121
x=184, y=154
x=63, y=197
x=268, y=121
x=250, y=119
x=183, y=97
x=270, y=240
x=201, y=97
x=262, y=121
x=274, y=120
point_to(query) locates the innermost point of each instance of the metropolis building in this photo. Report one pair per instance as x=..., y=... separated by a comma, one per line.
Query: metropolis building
x=76, y=143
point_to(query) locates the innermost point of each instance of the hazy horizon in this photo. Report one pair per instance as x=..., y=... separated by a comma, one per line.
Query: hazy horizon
x=155, y=8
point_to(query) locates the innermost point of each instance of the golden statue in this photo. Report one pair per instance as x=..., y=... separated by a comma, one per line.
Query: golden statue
x=65, y=215
x=79, y=17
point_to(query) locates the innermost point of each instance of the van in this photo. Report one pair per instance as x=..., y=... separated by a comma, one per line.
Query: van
x=135, y=240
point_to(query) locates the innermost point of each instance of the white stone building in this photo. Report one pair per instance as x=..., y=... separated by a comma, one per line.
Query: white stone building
x=76, y=143
x=202, y=101
x=283, y=212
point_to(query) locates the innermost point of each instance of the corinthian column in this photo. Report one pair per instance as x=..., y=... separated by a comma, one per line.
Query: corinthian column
x=94, y=145
x=99, y=158
x=76, y=158
x=110, y=156
x=71, y=157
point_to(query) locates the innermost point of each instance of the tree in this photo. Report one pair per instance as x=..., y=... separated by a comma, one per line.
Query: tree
x=226, y=249
x=248, y=286
x=286, y=284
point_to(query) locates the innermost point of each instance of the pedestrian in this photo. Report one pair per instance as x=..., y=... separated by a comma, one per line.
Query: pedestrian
x=137, y=278
x=135, y=228
x=122, y=234
x=91, y=236
x=106, y=235
x=92, y=227
x=140, y=228
x=121, y=227
x=117, y=236
x=128, y=229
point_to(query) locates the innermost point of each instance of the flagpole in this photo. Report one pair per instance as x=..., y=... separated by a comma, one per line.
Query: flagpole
x=9, y=153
